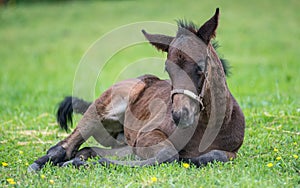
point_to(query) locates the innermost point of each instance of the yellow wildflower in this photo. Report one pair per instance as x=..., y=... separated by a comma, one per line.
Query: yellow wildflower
x=21, y=152
x=278, y=158
x=295, y=156
x=43, y=176
x=51, y=182
x=275, y=150
x=26, y=163
x=11, y=181
x=270, y=165
x=154, y=179
x=4, y=164
x=186, y=165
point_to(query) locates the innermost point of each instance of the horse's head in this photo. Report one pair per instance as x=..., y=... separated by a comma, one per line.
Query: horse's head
x=186, y=64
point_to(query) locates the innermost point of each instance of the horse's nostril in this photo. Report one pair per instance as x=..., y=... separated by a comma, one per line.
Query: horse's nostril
x=181, y=115
x=176, y=117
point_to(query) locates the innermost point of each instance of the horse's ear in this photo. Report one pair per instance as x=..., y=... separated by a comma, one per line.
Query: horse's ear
x=208, y=30
x=161, y=42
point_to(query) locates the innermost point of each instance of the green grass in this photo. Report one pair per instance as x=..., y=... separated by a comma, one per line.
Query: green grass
x=41, y=46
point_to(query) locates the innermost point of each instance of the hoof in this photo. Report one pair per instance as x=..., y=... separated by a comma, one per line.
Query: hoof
x=33, y=168
x=56, y=154
x=38, y=164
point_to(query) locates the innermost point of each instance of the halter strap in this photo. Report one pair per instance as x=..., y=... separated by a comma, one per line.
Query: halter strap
x=188, y=93
x=192, y=95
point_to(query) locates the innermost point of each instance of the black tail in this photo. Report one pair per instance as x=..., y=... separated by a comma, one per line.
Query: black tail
x=67, y=107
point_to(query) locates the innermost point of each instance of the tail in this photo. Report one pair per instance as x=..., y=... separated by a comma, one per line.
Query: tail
x=67, y=107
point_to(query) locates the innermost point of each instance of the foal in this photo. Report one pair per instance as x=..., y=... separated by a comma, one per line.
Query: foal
x=193, y=117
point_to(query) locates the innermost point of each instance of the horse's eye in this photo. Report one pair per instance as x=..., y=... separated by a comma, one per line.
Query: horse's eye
x=198, y=69
x=200, y=66
x=180, y=56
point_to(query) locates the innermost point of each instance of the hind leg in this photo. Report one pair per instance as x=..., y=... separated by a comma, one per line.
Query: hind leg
x=90, y=125
x=103, y=120
x=68, y=148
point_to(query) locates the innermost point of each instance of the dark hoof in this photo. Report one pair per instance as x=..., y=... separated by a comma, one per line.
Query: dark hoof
x=38, y=164
x=34, y=167
x=211, y=157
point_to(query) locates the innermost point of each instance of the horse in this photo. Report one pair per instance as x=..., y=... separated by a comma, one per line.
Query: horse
x=193, y=117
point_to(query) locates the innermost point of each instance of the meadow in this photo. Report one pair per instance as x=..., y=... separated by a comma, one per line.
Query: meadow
x=42, y=45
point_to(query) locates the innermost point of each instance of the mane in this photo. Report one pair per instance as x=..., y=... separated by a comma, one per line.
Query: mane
x=189, y=25
x=225, y=63
x=192, y=27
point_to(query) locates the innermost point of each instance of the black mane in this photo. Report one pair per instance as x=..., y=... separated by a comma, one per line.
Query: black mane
x=192, y=27
x=225, y=63
x=189, y=25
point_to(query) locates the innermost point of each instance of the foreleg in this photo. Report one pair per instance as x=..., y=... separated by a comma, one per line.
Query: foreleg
x=91, y=152
x=212, y=156
x=153, y=147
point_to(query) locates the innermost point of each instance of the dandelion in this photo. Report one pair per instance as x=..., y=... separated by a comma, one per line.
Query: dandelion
x=21, y=152
x=278, y=158
x=26, y=164
x=43, y=176
x=295, y=156
x=51, y=182
x=186, y=165
x=275, y=150
x=154, y=179
x=4, y=164
x=11, y=181
x=270, y=165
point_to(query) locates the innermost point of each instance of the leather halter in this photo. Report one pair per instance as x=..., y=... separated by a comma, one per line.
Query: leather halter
x=192, y=95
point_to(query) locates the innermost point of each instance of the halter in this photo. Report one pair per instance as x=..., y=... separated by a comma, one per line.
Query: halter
x=192, y=95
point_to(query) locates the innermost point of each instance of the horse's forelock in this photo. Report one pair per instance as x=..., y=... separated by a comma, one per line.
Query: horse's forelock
x=188, y=25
